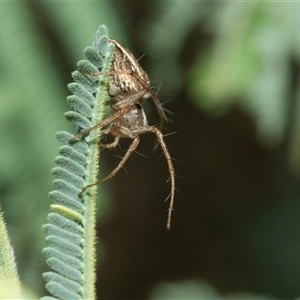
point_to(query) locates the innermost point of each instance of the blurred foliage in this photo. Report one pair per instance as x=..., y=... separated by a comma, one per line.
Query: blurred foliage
x=196, y=289
x=250, y=64
x=234, y=68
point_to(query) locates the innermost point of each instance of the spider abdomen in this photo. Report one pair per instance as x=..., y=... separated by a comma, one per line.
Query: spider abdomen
x=132, y=120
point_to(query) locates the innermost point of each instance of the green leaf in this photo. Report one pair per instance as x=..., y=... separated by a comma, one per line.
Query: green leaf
x=70, y=232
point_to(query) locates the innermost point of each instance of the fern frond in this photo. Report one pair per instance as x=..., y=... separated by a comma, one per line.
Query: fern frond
x=70, y=232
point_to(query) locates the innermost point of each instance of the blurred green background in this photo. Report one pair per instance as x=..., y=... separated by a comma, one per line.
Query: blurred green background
x=229, y=73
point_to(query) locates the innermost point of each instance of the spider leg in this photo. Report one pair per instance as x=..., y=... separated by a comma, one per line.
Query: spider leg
x=154, y=98
x=103, y=73
x=130, y=99
x=116, y=115
x=132, y=147
x=171, y=171
x=160, y=109
x=110, y=145
x=144, y=129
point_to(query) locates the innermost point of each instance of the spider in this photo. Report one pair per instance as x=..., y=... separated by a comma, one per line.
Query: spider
x=128, y=86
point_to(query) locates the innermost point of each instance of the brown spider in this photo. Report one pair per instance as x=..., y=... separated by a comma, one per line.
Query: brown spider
x=128, y=86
